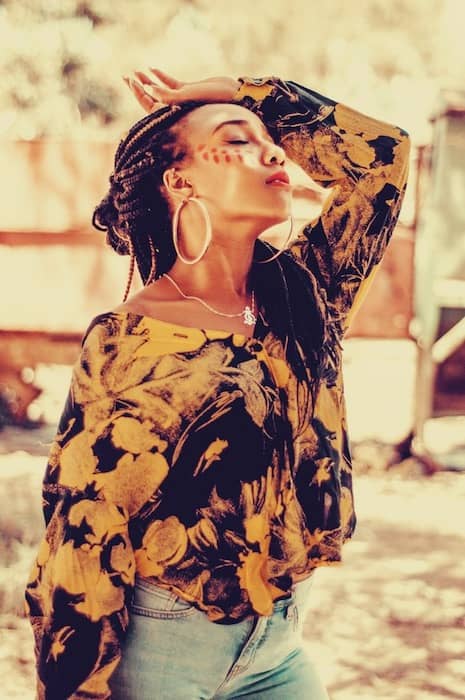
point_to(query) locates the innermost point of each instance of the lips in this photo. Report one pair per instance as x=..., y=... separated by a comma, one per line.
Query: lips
x=279, y=178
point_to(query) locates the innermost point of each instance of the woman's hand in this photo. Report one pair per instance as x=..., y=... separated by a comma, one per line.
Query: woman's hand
x=167, y=90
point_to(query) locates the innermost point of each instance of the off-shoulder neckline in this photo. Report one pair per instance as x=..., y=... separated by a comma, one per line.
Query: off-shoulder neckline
x=180, y=329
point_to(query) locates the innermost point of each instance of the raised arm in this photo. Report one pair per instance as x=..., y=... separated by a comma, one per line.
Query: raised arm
x=363, y=161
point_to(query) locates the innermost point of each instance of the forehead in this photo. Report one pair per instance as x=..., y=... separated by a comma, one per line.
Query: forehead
x=203, y=120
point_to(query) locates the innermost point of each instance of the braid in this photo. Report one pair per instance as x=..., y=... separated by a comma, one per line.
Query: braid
x=134, y=214
x=143, y=130
x=131, y=272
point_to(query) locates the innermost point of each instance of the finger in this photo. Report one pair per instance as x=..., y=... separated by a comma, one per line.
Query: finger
x=144, y=99
x=160, y=91
x=144, y=79
x=167, y=79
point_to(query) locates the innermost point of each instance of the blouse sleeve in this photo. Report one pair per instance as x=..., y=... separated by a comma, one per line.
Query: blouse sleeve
x=364, y=163
x=82, y=580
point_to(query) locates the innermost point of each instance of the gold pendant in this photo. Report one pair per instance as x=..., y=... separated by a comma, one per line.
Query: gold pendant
x=249, y=317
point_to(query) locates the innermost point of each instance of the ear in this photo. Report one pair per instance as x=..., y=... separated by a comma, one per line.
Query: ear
x=177, y=184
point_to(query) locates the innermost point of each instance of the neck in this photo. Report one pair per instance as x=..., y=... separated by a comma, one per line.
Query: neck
x=223, y=274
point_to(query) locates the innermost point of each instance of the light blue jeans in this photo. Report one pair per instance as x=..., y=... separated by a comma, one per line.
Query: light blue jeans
x=174, y=652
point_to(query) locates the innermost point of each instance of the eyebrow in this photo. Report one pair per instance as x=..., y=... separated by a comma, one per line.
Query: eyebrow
x=238, y=122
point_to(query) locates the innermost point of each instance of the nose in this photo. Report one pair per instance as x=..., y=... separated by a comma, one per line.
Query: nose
x=273, y=154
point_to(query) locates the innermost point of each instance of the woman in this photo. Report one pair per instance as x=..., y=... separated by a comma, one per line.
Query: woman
x=201, y=470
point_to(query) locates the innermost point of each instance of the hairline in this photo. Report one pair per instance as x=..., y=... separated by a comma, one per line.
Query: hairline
x=181, y=123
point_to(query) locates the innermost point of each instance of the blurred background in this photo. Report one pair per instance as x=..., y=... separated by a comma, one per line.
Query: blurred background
x=391, y=622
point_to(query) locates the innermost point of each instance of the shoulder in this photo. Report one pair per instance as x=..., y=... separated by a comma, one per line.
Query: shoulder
x=156, y=301
x=148, y=298
x=110, y=358
x=105, y=325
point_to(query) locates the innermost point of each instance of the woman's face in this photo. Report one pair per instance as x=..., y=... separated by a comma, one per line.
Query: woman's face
x=234, y=166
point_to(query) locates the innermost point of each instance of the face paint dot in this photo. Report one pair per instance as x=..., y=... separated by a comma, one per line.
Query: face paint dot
x=228, y=159
x=201, y=147
x=216, y=158
x=206, y=156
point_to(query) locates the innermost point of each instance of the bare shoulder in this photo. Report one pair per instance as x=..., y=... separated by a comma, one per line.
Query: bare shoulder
x=161, y=302
x=157, y=298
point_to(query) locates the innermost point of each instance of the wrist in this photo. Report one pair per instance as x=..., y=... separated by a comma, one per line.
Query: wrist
x=255, y=88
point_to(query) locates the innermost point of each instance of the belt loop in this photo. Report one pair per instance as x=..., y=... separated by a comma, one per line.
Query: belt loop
x=292, y=612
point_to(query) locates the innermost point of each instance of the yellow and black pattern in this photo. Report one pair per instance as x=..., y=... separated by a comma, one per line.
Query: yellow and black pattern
x=362, y=160
x=181, y=455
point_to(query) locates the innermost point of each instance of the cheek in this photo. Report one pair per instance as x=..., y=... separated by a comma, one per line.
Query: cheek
x=220, y=155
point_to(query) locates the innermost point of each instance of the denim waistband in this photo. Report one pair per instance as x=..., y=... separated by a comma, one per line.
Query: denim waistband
x=279, y=604
x=298, y=588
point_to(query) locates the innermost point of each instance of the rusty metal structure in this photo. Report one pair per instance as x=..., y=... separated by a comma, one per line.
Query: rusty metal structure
x=439, y=289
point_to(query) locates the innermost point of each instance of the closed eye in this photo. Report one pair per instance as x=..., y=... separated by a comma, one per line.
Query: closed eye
x=235, y=141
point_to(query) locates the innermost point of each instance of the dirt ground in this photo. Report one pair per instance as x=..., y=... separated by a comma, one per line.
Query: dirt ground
x=387, y=625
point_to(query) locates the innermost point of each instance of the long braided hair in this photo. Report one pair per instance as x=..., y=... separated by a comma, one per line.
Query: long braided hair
x=136, y=218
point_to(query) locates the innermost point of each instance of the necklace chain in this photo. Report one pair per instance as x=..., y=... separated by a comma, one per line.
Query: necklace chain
x=248, y=312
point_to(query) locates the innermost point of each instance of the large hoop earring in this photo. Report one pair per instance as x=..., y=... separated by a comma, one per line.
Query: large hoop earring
x=208, y=230
x=282, y=249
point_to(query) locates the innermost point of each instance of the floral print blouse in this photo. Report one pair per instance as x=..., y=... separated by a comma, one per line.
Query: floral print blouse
x=170, y=460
